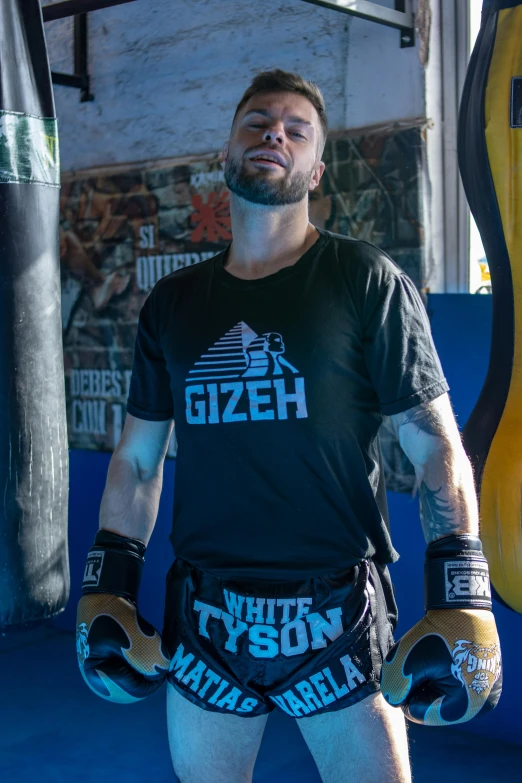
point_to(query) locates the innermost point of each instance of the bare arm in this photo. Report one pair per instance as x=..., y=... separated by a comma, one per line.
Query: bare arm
x=132, y=493
x=429, y=435
x=129, y=504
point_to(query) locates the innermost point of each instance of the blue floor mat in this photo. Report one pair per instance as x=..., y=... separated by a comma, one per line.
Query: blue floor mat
x=54, y=730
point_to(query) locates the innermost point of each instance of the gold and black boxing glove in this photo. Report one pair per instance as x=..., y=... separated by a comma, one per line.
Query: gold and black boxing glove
x=121, y=656
x=448, y=668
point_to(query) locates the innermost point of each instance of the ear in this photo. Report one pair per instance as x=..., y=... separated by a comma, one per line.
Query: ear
x=224, y=155
x=316, y=175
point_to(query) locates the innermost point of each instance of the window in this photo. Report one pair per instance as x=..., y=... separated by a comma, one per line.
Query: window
x=479, y=279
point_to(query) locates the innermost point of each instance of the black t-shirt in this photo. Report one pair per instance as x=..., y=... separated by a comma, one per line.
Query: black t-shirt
x=277, y=387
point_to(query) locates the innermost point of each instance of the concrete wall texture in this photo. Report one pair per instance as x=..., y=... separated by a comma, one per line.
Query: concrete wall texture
x=167, y=75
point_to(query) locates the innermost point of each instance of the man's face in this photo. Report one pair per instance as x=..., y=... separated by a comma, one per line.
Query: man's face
x=282, y=124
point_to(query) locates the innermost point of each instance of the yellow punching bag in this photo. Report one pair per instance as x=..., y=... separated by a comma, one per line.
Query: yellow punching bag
x=490, y=161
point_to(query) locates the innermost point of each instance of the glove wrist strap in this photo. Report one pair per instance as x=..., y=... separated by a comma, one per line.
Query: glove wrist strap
x=114, y=565
x=456, y=574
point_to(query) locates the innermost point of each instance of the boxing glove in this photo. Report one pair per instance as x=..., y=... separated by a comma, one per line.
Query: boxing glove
x=447, y=669
x=121, y=656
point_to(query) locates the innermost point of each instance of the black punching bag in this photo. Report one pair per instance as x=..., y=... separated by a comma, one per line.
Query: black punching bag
x=34, y=462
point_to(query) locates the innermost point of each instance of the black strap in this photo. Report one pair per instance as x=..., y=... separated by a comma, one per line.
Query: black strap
x=114, y=565
x=456, y=574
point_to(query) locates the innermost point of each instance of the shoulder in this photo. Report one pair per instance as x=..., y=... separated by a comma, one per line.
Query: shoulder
x=357, y=257
x=187, y=273
x=185, y=276
x=175, y=287
x=363, y=266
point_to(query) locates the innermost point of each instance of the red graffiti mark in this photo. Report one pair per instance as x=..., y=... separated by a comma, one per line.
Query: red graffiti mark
x=211, y=218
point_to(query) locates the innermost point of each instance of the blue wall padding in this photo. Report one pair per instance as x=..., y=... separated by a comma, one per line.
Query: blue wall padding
x=461, y=327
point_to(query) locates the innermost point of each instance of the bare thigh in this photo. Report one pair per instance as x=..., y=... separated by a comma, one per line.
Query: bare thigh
x=208, y=746
x=366, y=743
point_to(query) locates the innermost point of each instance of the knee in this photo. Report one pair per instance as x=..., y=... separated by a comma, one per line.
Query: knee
x=186, y=772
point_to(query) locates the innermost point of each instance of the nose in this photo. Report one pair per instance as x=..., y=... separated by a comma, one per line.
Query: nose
x=274, y=133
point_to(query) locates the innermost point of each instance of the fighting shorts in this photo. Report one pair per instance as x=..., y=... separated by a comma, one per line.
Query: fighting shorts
x=306, y=647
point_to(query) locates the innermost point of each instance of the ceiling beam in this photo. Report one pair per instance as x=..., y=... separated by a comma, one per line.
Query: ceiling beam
x=74, y=7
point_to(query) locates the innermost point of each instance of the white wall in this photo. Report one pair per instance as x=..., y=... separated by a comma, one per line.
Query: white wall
x=167, y=74
x=447, y=238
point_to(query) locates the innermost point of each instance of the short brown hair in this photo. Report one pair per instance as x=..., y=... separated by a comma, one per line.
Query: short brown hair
x=285, y=81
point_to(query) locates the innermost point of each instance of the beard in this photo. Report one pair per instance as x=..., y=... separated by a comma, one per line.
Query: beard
x=260, y=188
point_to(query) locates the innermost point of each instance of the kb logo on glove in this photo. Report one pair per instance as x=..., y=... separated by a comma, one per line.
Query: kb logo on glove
x=466, y=582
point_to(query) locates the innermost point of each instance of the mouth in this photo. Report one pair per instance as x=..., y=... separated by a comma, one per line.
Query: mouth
x=268, y=157
x=270, y=164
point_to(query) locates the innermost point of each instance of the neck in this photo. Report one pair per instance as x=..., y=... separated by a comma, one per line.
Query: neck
x=265, y=238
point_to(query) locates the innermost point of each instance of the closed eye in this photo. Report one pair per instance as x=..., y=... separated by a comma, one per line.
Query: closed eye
x=293, y=133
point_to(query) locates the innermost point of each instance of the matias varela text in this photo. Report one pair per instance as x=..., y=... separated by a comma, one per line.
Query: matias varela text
x=235, y=401
x=270, y=630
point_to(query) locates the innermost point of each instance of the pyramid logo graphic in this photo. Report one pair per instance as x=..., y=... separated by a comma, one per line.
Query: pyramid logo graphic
x=241, y=353
x=244, y=376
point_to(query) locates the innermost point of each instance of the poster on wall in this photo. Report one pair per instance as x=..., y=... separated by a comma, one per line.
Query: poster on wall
x=124, y=228
x=121, y=231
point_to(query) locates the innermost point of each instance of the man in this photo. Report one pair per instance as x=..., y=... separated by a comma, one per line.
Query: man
x=277, y=359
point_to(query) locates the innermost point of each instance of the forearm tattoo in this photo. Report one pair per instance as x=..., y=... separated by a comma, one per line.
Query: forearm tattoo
x=437, y=515
x=444, y=478
x=426, y=419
